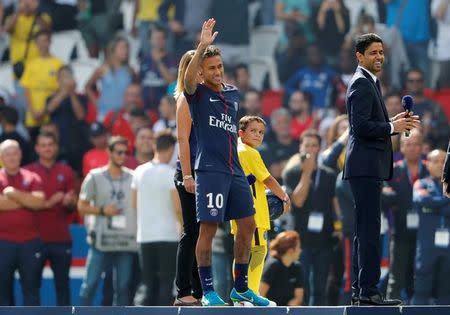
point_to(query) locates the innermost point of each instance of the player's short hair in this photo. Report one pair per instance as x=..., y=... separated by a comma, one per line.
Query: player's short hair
x=246, y=120
x=164, y=140
x=310, y=133
x=115, y=140
x=365, y=40
x=211, y=51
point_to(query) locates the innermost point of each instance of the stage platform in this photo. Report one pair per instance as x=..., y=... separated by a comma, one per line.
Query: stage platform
x=340, y=310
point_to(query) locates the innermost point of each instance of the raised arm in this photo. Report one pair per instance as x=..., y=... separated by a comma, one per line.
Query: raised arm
x=206, y=38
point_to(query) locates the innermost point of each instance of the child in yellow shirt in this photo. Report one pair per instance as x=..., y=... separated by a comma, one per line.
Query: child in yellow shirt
x=251, y=135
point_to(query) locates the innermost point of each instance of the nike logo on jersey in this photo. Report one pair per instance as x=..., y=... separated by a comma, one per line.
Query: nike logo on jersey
x=214, y=99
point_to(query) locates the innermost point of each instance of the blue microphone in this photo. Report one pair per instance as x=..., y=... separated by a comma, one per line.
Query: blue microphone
x=408, y=103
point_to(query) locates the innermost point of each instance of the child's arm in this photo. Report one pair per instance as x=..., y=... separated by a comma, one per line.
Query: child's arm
x=271, y=183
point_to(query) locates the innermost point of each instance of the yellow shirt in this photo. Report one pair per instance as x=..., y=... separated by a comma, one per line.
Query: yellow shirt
x=40, y=78
x=20, y=35
x=252, y=163
x=148, y=10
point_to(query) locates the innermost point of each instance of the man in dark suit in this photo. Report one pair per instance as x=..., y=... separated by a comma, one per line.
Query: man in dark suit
x=446, y=173
x=368, y=162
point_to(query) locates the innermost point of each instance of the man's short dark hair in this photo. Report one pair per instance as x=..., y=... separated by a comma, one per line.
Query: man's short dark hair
x=115, y=140
x=253, y=90
x=391, y=93
x=165, y=140
x=415, y=70
x=9, y=115
x=46, y=134
x=239, y=67
x=65, y=68
x=42, y=32
x=142, y=128
x=158, y=28
x=365, y=40
x=311, y=133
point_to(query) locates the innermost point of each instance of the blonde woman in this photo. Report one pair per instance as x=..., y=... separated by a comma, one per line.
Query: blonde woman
x=189, y=290
x=114, y=76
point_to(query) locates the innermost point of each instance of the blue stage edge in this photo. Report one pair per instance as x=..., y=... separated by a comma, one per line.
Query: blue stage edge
x=340, y=310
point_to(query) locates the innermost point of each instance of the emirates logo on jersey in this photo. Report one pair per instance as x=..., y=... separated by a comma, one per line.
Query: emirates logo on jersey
x=225, y=122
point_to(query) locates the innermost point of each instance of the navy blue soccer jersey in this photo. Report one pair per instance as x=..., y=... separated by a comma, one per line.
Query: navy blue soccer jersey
x=214, y=116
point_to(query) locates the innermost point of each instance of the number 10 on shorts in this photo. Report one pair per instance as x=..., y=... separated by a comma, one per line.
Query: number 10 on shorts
x=216, y=202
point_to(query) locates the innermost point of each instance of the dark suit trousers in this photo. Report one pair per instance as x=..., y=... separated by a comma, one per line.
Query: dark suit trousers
x=366, y=243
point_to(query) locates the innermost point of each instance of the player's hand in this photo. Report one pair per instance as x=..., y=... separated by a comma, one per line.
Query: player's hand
x=286, y=204
x=189, y=185
x=207, y=36
x=110, y=211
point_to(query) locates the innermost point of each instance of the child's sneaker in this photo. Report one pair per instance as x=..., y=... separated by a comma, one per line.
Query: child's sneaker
x=249, y=298
x=211, y=298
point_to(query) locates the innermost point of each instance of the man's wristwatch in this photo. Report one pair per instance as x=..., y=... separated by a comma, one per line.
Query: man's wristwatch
x=187, y=177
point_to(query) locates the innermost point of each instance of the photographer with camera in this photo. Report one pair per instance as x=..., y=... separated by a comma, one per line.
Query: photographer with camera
x=313, y=200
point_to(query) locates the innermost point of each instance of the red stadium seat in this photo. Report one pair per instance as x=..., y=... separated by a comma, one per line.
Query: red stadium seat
x=270, y=101
x=442, y=97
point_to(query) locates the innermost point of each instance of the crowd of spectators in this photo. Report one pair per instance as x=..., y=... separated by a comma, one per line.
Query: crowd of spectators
x=55, y=127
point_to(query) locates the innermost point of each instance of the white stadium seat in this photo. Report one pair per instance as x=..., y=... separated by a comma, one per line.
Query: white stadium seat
x=82, y=71
x=6, y=78
x=64, y=42
x=263, y=42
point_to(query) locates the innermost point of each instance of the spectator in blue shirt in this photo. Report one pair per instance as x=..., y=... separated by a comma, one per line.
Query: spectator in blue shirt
x=413, y=20
x=316, y=78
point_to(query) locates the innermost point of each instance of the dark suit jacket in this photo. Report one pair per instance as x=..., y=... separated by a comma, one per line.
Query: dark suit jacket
x=446, y=172
x=369, y=148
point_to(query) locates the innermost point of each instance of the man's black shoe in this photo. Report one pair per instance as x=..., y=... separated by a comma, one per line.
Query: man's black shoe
x=377, y=300
x=355, y=300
